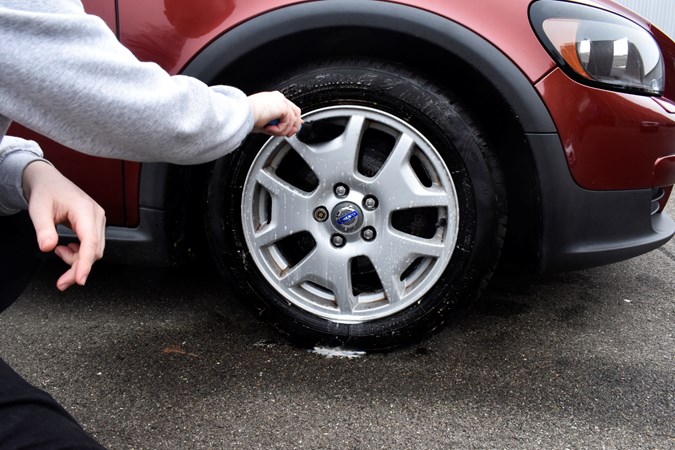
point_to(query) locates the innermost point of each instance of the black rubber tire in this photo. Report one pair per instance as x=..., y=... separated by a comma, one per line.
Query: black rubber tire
x=478, y=182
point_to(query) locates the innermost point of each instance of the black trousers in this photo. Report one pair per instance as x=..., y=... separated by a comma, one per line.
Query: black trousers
x=29, y=417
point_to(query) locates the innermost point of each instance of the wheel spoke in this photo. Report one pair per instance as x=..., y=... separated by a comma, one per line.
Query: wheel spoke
x=389, y=272
x=391, y=282
x=337, y=157
x=411, y=198
x=305, y=270
x=414, y=246
x=290, y=209
x=408, y=191
x=395, y=253
x=273, y=232
x=327, y=269
x=340, y=282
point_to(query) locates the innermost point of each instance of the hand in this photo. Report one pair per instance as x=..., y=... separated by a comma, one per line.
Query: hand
x=269, y=106
x=53, y=199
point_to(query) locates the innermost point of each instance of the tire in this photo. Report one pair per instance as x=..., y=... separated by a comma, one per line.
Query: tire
x=377, y=229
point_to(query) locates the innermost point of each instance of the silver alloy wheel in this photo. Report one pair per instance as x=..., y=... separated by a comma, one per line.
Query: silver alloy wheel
x=336, y=249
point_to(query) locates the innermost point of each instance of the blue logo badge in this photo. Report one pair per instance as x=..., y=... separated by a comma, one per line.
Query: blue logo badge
x=349, y=217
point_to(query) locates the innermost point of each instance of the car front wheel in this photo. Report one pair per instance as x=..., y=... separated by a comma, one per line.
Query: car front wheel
x=373, y=225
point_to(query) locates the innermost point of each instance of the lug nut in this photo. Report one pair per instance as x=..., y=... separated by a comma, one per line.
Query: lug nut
x=337, y=240
x=341, y=190
x=368, y=234
x=320, y=214
x=370, y=203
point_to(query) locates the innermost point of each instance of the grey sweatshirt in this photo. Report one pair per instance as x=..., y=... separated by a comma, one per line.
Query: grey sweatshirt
x=64, y=75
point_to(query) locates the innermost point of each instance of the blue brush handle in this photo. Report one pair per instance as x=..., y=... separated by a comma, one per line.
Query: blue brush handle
x=276, y=122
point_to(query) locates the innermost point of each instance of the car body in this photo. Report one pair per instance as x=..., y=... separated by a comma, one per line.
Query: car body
x=582, y=166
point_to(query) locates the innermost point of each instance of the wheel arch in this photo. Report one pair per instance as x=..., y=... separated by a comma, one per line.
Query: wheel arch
x=250, y=54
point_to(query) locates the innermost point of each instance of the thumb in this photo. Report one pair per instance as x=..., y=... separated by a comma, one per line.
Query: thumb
x=45, y=228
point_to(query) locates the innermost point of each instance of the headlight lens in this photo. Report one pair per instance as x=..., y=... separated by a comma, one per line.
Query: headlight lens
x=598, y=47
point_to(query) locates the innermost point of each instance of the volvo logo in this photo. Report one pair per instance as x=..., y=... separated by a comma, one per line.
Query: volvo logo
x=347, y=217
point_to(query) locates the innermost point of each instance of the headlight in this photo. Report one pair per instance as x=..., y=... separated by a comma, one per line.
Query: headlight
x=598, y=47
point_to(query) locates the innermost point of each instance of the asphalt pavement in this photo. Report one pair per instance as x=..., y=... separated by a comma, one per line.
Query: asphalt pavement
x=150, y=358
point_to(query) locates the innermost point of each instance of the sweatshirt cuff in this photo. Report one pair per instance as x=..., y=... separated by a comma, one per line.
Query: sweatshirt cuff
x=242, y=114
x=12, y=164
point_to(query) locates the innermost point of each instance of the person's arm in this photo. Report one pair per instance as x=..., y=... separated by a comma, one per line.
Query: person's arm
x=65, y=75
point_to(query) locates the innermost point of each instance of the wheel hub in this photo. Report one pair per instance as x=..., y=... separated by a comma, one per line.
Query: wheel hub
x=347, y=217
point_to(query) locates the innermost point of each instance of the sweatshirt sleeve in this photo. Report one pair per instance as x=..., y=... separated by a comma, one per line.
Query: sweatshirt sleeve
x=15, y=155
x=65, y=75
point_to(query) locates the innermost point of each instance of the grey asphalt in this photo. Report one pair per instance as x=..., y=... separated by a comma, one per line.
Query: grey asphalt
x=167, y=359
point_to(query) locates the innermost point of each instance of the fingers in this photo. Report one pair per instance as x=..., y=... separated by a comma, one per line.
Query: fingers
x=90, y=229
x=294, y=119
x=68, y=253
x=45, y=229
x=289, y=120
x=273, y=106
x=67, y=279
x=53, y=199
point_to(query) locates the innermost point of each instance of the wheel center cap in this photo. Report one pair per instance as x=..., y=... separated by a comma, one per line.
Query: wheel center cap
x=347, y=217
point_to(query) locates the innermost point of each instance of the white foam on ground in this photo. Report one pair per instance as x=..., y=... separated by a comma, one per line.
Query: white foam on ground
x=337, y=352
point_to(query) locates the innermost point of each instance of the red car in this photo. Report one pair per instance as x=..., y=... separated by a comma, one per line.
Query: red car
x=449, y=134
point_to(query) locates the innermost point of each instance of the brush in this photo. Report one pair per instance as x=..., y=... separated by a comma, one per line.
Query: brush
x=312, y=132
